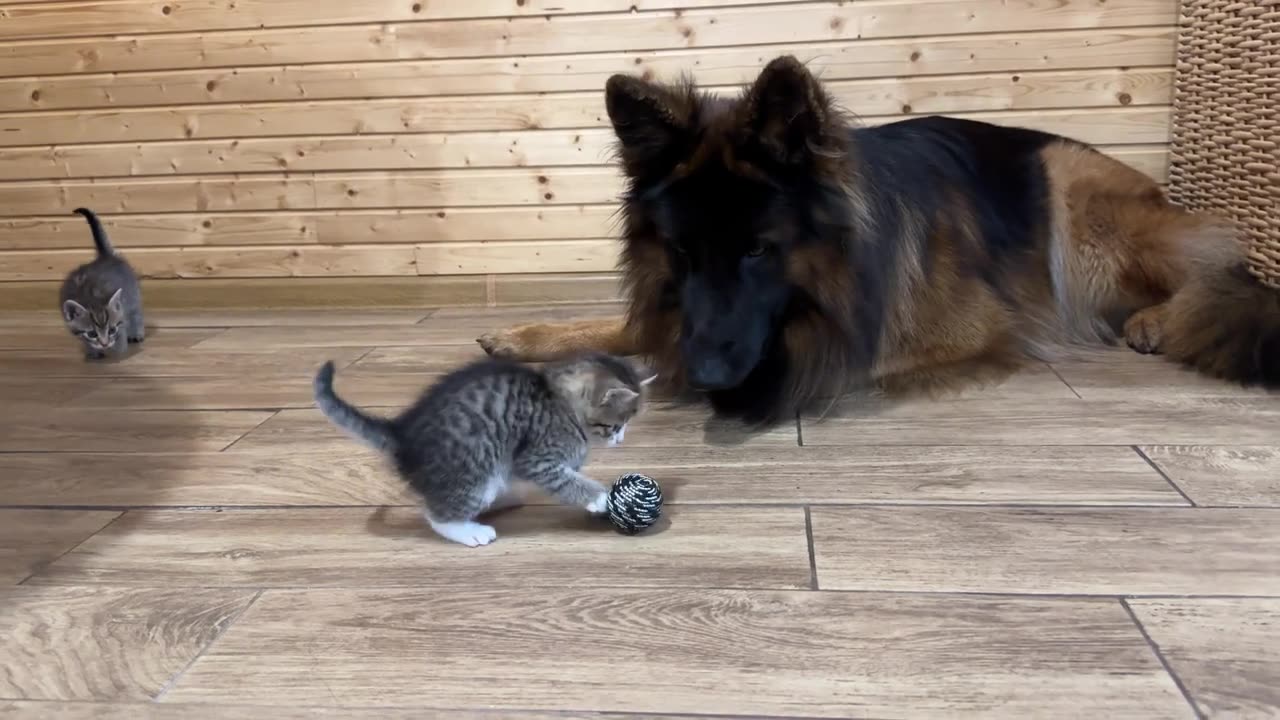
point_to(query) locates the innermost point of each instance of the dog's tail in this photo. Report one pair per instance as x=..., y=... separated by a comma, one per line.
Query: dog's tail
x=372, y=431
x=1225, y=323
x=100, y=240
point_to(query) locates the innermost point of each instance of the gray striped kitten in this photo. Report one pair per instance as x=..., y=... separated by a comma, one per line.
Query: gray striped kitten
x=488, y=424
x=102, y=300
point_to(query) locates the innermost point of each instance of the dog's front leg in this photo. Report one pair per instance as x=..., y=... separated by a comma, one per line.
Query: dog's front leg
x=540, y=342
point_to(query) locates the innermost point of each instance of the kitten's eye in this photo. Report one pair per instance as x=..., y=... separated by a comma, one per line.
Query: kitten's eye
x=757, y=251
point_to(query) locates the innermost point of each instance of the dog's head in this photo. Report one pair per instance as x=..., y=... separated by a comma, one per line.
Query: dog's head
x=728, y=207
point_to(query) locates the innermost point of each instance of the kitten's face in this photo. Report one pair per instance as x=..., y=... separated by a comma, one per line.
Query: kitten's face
x=98, y=327
x=616, y=405
x=606, y=392
x=607, y=420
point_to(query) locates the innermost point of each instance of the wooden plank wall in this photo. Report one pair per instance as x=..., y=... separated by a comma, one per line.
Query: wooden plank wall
x=462, y=144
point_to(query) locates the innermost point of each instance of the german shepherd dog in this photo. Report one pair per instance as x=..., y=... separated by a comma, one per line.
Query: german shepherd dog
x=774, y=255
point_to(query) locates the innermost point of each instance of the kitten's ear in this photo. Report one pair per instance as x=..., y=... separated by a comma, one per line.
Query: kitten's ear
x=618, y=397
x=72, y=311
x=116, y=303
x=652, y=122
x=786, y=112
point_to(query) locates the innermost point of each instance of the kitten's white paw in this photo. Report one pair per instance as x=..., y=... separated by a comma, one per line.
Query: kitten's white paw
x=599, y=505
x=471, y=534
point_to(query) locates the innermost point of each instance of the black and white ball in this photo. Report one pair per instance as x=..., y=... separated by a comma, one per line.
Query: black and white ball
x=635, y=503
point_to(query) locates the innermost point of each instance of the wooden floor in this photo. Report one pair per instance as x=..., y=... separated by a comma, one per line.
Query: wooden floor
x=183, y=535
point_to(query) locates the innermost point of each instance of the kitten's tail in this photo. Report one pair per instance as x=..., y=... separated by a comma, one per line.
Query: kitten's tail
x=373, y=431
x=100, y=240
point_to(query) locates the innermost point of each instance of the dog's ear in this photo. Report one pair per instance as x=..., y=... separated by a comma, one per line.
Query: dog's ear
x=786, y=112
x=653, y=122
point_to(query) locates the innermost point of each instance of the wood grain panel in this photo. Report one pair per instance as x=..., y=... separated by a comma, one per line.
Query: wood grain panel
x=385, y=227
x=293, y=292
x=232, y=711
x=22, y=393
x=809, y=22
x=142, y=370
x=1222, y=475
x=310, y=317
x=270, y=391
x=307, y=191
x=345, y=293
x=350, y=475
x=864, y=655
x=1222, y=650
x=429, y=333
x=465, y=188
x=226, y=262
x=125, y=431
x=1069, y=551
x=472, y=258
x=898, y=475
x=29, y=539
x=1226, y=421
x=127, y=232
x=518, y=223
x=1122, y=374
x=460, y=150
x=892, y=96
x=105, y=644
x=545, y=288
x=428, y=360
x=662, y=425
x=446, y=326
x=163, y=321
x=53, y=334
x=542, y=147
x=536, y=547
x=862, y=58
x=463, y=324
x=54, y=18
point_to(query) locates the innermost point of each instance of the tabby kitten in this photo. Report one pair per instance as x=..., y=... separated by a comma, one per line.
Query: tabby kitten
x=493, y=422
x=101, y=300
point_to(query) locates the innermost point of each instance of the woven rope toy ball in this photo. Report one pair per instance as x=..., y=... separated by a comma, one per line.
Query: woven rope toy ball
x=635, y=503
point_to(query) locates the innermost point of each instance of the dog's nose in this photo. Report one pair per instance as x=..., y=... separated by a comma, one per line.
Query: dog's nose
x=709, y=372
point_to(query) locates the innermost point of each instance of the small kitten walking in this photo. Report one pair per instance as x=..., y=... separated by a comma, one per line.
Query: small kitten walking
x=493, y=422
x=102, y=300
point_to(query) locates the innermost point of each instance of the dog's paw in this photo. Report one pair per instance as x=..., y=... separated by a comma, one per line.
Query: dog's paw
x=1143, y=330
x=500, y=344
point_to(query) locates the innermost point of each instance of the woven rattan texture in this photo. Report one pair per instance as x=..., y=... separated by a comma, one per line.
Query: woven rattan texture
x=1226, y=126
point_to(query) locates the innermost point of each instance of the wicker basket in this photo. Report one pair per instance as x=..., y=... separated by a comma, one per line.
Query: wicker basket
x=1226, y=124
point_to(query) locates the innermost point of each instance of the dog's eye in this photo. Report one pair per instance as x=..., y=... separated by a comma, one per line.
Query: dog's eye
x=757, y=251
